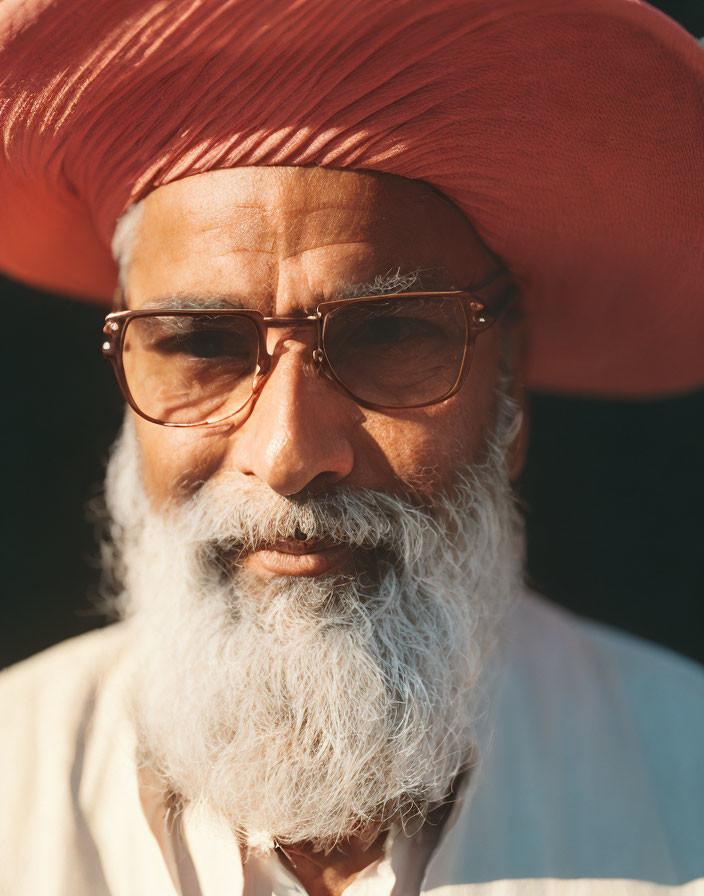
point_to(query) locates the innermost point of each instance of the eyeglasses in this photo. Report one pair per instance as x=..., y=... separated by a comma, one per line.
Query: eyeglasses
x=190, y=367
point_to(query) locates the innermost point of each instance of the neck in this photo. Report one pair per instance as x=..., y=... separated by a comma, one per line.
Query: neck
x=329, y=874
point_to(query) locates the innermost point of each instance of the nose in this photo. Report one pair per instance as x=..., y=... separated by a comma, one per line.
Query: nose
x=298, y=435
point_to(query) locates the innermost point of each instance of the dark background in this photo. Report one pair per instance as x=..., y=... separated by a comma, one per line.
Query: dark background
x=613, y=491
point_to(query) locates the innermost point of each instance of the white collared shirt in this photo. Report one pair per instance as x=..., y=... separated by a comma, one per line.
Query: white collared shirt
x=591, y=781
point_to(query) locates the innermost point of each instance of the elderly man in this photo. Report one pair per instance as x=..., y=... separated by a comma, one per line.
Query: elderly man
x=329, y=678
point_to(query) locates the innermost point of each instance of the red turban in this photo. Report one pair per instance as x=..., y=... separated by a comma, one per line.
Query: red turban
x=570, y=133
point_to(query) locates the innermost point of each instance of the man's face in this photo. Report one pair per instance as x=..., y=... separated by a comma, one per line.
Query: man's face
x=314, y=691
x=282, y=240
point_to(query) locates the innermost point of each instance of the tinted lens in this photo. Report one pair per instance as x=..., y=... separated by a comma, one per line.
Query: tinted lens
x=190, y=368
x=397, y=352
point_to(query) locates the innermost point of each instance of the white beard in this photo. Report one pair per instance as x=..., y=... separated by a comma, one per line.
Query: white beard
x=314, y=709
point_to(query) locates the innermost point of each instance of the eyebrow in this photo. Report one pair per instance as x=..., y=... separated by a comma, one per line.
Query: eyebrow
x=194, y=302
x=393, y=282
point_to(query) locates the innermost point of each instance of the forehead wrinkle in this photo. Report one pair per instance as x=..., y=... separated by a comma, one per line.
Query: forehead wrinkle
x=298, y=229
x=325, y=244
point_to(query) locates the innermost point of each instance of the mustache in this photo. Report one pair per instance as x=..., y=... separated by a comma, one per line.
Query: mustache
x=235, y=517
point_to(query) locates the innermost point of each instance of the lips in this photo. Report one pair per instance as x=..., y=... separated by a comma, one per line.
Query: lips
x=297, y=546
x=290, y=557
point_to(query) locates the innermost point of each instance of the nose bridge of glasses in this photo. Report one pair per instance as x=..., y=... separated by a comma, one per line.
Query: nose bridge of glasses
x=290, y=325
x=283, y=323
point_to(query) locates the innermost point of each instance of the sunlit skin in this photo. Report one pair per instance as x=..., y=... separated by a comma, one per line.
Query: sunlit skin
x=285, y=239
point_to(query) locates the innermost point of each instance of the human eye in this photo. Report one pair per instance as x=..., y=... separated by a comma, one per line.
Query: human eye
x=201, y=339
x=395, y=327
x=208, y=344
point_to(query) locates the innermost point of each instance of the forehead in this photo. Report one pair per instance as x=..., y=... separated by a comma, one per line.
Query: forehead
x=276, y=232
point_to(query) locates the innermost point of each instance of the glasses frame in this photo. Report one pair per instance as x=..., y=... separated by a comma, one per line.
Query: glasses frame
x=482, y=306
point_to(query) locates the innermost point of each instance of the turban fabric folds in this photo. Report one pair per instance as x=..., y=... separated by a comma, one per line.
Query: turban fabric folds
x=571, y=134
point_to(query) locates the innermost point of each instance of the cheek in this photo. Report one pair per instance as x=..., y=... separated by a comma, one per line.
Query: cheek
x=425, y=450
x=175, y=461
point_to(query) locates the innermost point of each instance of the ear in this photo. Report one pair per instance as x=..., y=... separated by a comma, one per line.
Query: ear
x=516, y=453
x=513, y=340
